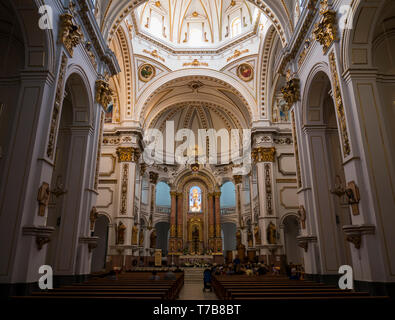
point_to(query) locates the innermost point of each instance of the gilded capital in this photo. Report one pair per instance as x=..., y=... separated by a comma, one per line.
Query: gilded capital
x=238, y=179
x=128, y=154
x=153, y=177
x=262, y=154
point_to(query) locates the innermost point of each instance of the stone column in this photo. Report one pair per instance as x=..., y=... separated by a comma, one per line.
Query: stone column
x=264, y=158
x=173, y=224
x=127, y=159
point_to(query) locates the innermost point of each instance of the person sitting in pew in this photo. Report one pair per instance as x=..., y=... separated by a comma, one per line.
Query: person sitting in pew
x=170, y=275
x=154, y=276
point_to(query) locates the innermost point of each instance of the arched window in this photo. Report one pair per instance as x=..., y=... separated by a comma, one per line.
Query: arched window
x=163, y=195
x=236, y=27
x=228, y=195
x=195, y=199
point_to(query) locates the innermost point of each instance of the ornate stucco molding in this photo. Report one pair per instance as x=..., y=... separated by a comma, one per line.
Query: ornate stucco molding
x=303, y=241
x=70, y=33
x=325, y=31
x=42, y=234
x=103, y=94
x=354, y=233
x=291, y=92
x=90, y=241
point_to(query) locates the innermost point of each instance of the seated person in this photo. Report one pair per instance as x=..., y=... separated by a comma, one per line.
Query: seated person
x=154, y=276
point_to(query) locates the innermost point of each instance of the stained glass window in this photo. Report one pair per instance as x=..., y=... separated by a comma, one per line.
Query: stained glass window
x=195, y=199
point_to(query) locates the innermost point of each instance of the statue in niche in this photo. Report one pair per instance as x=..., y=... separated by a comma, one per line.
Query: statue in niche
x=257, y=235
x=153, y=239
x=238, y=239
x=121, y=233
x=271, y=233
x=141, y=238
x=135, y=231
x=250, y=240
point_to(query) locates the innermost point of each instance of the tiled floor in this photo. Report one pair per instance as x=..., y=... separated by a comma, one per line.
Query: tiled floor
x=193, y=286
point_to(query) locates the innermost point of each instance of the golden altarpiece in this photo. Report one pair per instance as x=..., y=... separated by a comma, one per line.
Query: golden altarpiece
x=195, y=220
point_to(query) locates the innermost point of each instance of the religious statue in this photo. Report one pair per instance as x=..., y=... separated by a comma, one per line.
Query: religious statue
x=153, y=239
x=135, y=231
x=121, y=233
x=43, y=198
x=302, y=216
x=141, y=238
x=257, y=235
x=238, y=238
x=271, y=233
x=93, y=217
x=249, y=238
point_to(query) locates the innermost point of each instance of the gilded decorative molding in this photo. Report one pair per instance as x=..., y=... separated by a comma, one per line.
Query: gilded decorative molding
x=339, y=105
x=128, y=154
x=154, y=53
x=195, y=63
x=70, y=34
x=237, y=54
x=124, y=188
x=296, y=147
x=325, y=31
x=57, y=107
x=103, y=94
x=262, y=154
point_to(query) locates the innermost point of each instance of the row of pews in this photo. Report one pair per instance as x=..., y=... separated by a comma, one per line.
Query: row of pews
x=127, y=286
x=279, y=288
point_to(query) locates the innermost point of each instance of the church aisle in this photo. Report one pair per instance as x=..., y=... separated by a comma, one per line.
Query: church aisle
x=193, y=286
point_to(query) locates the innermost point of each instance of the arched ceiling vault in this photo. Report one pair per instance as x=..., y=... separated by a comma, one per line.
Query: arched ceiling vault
x=210, y=98
x=113, y=12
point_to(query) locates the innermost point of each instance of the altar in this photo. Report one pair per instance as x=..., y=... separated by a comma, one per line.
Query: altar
x=196, y=259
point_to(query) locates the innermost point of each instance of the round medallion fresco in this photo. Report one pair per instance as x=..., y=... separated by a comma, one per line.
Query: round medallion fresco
x=146, y=72
x=245, y=72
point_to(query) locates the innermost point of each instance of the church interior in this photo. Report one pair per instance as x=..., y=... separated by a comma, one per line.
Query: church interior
x=143, y=139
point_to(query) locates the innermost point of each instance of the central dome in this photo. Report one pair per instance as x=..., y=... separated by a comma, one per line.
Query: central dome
x=197, y=23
